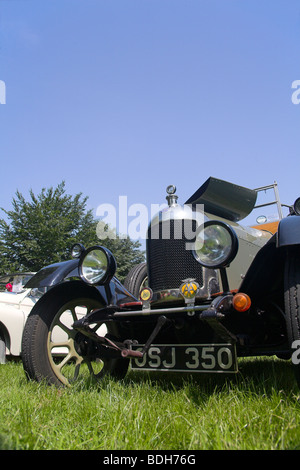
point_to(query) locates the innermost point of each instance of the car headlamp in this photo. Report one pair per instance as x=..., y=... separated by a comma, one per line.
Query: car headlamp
x=296, y=206
x=216, y=244
x=97, y=265
x=76, y=250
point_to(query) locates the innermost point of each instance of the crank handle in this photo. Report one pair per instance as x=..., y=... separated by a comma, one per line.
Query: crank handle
x=131, y=353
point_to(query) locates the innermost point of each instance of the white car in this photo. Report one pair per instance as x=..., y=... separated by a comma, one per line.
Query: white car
x=16, y=303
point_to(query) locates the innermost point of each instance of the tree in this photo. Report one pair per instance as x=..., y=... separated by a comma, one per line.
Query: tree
x=126, y=252
x=42, y=230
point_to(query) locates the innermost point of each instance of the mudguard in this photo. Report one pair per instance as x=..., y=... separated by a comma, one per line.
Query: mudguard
x=56, y=273
x=289, y=231
x=265, y=274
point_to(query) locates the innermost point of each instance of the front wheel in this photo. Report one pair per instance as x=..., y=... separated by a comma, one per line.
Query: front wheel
x=53, y=351
x=292, y=302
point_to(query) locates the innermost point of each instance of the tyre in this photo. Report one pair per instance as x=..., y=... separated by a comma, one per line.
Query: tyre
x=53, y=351
x=136, y=279
x=292, y=301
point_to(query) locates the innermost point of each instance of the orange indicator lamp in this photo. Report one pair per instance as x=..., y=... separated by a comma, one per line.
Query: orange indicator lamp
x=241, y=302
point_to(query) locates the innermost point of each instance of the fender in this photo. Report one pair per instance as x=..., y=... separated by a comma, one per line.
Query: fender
x=56, y=273
x=53, y=274
x=289, y=231
x=264, y=275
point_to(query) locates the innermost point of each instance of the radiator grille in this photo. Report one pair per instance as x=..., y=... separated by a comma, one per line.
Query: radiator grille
x=168, y=260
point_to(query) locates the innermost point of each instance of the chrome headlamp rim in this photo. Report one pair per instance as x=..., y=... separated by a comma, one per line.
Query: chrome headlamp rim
x=233, y=247
x=76, y=250
x=109, y=266
x=296, y=206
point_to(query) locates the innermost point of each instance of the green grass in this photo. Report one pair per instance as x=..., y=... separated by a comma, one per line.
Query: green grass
x=257, y=409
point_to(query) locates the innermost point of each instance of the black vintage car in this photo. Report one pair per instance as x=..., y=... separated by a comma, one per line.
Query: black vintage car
x=210, y=292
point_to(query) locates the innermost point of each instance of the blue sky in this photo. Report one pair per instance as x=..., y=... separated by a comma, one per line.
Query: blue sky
x=124, y=97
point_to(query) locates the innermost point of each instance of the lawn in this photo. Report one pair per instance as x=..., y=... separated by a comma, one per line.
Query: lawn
x=259, y=408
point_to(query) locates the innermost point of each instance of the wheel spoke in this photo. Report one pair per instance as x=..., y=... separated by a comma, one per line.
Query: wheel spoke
x=65, y=328
x=60, y=344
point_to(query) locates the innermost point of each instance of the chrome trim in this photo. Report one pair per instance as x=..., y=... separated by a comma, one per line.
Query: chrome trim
x=210, y=286
x=169, y=295
x=158, y=311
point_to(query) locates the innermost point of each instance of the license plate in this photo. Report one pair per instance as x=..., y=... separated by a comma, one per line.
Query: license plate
x=187, y=358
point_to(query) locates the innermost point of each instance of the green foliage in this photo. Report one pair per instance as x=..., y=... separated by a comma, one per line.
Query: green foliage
x=126, y=252
x=42, y=230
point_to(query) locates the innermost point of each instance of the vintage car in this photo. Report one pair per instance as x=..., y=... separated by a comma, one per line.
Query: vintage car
x=16, y=303
x=211, y=291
